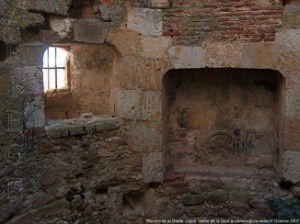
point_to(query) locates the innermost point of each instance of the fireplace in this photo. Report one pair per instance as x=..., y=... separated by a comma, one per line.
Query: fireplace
x=219, y=120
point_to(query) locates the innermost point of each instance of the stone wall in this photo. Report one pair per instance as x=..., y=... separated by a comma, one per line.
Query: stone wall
x=113, y=170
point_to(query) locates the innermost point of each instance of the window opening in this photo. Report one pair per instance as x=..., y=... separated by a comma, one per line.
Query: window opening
x=55, y=68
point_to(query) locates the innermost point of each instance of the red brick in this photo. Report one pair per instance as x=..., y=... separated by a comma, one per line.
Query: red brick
x=190, y=22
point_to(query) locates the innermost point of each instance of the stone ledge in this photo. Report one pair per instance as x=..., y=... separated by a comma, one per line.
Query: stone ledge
x=81, y=126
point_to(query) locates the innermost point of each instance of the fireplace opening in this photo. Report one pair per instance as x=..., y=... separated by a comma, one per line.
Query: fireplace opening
x=222, y=120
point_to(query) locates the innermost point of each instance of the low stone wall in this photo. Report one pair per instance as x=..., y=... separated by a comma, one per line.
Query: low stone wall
x=79, y=174
x=84, y=171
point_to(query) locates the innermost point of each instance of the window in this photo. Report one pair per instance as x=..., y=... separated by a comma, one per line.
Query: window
x=55, y=68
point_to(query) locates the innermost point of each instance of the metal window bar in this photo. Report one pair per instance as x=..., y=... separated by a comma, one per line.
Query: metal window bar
x=55, y=67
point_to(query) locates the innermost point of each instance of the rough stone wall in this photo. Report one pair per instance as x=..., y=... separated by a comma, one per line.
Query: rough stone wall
x=41, y=173
x=192, y=22
x=86, y=172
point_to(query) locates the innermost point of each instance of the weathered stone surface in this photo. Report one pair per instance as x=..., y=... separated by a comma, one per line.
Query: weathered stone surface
x=141, y=73
x=291, y=135
x=62, y=26
x=90, y=31
x=146, y=21
x=127, y=42
x=144, y=137
x=153, y=167
x=160, y=3
x=193, y=199
x=292, y=101
x=3, y=8
x=34, y=115
x=9, y=31
x=223, y=55
x=291, y=166
x=155, y=47
x=57, y=7
x=260, y=55
x=288, y=40
x=291, y=16
x=137, y=105
x=59, y=208
x=187, y=57
x=73, y=127
x=114, y=198
x=30, y=20
x=30, y=55
x=114, y=12
x=296, y=192
x=28, y=80
x=126, y=103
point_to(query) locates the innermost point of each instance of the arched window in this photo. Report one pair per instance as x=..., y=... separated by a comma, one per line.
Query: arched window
x=55, y=68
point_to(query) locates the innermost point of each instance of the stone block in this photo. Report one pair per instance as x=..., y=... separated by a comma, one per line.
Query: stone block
x=160, y=3
x=10, y=32
x=288, y=40
x=223, y=55
x=151, y=105
x=62, y=26
x=127, y=42
x=291, y=166
x=5, y=80
x=193, y=199
x=114, y=12
x=291, y=16
x=28, y=80
x=291, y=135
x=155, y=47
x=153, y=167
x=146, y=21
x=30, y=19
x=30, y=55
x=292, y=100
x=34, y=115
x=80, y=126
x=90, y=30
x=136, y=104
x=60, y=7
x=3, y=8
x=145, y=138
x=141, y=73
x=126, y=103
x=187, y=57
x=50, y=37
x=261, y=55
x=114, y=198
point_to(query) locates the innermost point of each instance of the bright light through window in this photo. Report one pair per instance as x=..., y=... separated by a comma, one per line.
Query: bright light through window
x=55, y=68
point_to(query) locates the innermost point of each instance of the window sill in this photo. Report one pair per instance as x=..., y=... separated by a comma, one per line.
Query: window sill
x=55, y=92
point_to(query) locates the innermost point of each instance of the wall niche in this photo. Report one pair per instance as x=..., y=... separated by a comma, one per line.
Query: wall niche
x=219, y=120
